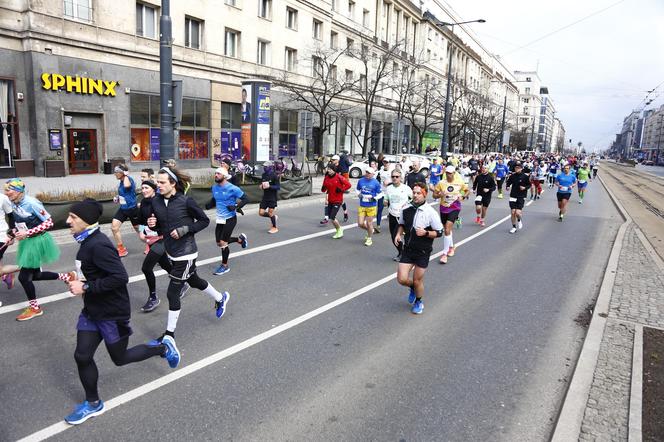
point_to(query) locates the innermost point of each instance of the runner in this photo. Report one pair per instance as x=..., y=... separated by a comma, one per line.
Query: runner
x=178, y=218
x=128, y=206
x=415, y=174
x=270, y=186
x=397, y=196
x=156, y=253
x=421, y=225
x=541, y=177
x=519, y=182
x=535, y=186
x=147, y=175
x=336, y=162
x=583, y=176
x=501, y=171
x=435, y=173
x=227, y=198
x=451, y=190
x=553, y=171
x=7, y=271
x=106, y=310
x=383, y=177
x=369, y=191
x=595, y=167
x=334, y=185
x=483, y=187
x=36, y=246
x=565, y=181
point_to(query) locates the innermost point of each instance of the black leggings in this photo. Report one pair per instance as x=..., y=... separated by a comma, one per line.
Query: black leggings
x=86, y=346
x=500, y=185
x=181, y=272
x=151, y=260
x=394, y=226
x=327, y=209
x=26, y=276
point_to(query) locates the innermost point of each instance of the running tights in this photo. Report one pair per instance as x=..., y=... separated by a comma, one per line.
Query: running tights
x=226, y=251
x=394, y=226
x=150, y=261
x=379, y=216
x=500, y=185
x=175, y=288
x=86, y=345
x=327, y=209
x=26, y=276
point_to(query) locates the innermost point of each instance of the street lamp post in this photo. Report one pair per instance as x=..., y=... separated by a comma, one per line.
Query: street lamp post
x=166, y=132
x=446, y=117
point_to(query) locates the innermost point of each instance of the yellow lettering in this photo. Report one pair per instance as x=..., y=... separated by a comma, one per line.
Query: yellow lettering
x=84, y=85
x=46, y=81
x=74, y=84
x=110, y=88
x=95, y=86
x=58, y=82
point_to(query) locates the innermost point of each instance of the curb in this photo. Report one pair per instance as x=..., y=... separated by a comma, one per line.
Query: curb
x=635, y=430
x=570, y=419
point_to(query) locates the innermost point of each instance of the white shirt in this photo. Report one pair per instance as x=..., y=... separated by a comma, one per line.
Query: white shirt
x=384, y=177
x=6, y=209
x=398, y=197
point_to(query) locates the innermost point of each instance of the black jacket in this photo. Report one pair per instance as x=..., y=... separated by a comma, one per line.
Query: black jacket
x=415, y=177
x=517, y=180
x=107, y=298
x=181, y=214
x=484, y=181
x=270, y=194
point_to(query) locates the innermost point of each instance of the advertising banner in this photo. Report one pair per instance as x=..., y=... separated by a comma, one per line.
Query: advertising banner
x=246, y=110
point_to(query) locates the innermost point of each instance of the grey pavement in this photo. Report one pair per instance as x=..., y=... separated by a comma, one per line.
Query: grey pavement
x=487, y=360
x=654, y=170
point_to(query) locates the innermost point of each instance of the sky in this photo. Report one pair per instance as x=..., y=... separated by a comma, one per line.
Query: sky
x=597, y=70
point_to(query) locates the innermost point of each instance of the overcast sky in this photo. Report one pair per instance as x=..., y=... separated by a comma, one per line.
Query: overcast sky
x=597, y=71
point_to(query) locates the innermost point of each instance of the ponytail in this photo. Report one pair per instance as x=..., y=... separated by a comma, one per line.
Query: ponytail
x=181, y=180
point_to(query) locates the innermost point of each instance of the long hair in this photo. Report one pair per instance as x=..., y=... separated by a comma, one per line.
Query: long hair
x=183, y=181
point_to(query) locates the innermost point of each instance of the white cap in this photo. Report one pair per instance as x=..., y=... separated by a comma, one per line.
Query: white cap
x=223, y=172
x=450, y=169
x=370, y=170
x=267, y=163
x=335, y=157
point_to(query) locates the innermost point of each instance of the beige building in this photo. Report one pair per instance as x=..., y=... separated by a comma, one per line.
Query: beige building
x=79, y=79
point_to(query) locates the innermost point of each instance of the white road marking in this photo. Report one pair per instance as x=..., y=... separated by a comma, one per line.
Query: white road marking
x=216, y=357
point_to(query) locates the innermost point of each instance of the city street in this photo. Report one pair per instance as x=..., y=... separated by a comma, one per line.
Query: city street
x=318, y=342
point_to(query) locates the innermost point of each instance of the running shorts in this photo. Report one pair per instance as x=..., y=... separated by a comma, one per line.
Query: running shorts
x=267, y=205
x=182, y=270
x=110, y=331
x=123, y=215
x=563, y=196
x=483, y=200
x=367, y=211
x=583, y=185
x=517, y=203
x=417, y=257
x=223, y=232
x=449, y=217
x=2, y=249
x=332, y=210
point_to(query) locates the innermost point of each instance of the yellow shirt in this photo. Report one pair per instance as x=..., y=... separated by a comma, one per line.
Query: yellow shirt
x=450, y=192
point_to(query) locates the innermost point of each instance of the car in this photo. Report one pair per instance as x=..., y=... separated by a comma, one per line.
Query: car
x=356, y=170
x=648, y=163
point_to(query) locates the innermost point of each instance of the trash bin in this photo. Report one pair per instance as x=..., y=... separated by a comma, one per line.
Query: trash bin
x=110, y=165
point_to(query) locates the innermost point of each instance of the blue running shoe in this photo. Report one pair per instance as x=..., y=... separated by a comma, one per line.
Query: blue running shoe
x=155, y=342
x=220, y=306
x=411, y=296
x=244, y=241
x=418, y=307
x=84, y=412
x=172, y=353
x=221, y=270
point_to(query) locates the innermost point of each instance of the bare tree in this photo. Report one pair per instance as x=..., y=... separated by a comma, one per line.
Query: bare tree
x=323, y=91
x=423, y=107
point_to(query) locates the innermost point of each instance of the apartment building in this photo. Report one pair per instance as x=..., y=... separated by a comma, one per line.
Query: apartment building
x=545, y=138
x=79, y=79
x=652, y=144
x=530, y=106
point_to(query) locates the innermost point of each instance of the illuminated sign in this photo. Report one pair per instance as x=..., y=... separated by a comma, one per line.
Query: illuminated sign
x=78, y=85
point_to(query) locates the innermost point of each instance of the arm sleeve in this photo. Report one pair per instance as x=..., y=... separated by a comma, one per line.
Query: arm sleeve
x=106, y=258
x=202, y=221
x=211, y=203
x=40, y=228
x=242, y=201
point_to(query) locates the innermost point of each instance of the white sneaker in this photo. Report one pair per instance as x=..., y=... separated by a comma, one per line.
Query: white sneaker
x=513, y=230
x=519, y=225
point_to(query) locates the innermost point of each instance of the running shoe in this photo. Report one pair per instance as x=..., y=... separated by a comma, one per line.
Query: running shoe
x=443, y=259
x=156, y=342
x=84, y=412
x=519, y=224
x=244, y=241
x=500, y=196
x=450, y=251
x=172, y=354
x=513, y=230
x=482, y=223
x=338, y=234
x=221, y=270
x=122, y=251
x=411, y=296
x=377, y=228
x=273, y=230
x=220, y=306
x=29, y=313
x=151, y=304
x=9, y=280
x=580, y=201
x=240, y=211
x=345, y=217
x=368, y=242
x=560, y=218
x=477, y=220
x=418, y=307
x=185, y=289
x=324, y=221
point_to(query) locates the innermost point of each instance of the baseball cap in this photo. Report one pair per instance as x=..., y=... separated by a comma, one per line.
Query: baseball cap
x=335, y=157
x=223, y=172
x=450, y=169
x=370, y=170
x=518, y=164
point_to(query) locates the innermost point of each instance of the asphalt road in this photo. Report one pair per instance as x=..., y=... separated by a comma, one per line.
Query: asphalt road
x=655, y=170
x=488, y=359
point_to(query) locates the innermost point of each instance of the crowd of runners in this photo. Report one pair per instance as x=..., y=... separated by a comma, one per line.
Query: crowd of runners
x=167, y=220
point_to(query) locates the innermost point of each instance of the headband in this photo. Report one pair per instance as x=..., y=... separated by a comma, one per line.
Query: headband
x=118, y=169
x=170, y=173
x=16, y=184
x=149, y=183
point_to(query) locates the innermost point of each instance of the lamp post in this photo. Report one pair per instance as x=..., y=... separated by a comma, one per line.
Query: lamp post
x=166, y=134
x=446, y=118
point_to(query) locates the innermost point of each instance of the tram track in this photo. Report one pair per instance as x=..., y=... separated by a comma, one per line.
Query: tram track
x=640, y=187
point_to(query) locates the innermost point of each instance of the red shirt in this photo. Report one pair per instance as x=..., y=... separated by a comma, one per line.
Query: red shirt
x=335, y=186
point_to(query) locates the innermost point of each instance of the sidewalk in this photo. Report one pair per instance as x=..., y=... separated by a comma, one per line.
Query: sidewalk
x=604, y=400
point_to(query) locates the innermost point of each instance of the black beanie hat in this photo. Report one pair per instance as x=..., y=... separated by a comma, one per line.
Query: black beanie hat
x=88, y=210
x=149, y=183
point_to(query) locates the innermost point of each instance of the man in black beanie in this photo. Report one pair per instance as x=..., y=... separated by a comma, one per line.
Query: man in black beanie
x=102, y=282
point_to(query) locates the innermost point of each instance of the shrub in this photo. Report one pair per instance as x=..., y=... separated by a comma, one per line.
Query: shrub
x=59, y=196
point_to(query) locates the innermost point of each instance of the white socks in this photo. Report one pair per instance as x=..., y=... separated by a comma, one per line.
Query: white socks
x=447, y=243
x=212, y=292
x=173, y=316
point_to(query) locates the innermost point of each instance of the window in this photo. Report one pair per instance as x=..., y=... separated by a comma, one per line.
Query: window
x=333, y=73
x=349, y=43
x=528, y=79
x=428, y=54
x=349, y=76
x=525, y=110
x=265, y=8
x=317, y=29
x=528, y=90
x=334, y=4
x=291, y=59
x=194, y=130
x=9, y=135
x=192, y=33
x=230, y=2
x=79, y=9
x=365, y=18
x=146, y=21
x=526, y=100
x=334, y=40
x=288, y=133
x=291, y=18
x=262, y=52
x=231, y=43
x=351, y=9
x=144, y=121
x=231, y=116
x=317, y=67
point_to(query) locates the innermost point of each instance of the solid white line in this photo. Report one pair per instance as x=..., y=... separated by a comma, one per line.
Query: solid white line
x=209, y=360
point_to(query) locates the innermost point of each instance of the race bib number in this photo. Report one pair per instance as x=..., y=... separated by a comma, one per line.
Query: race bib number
x=367, y=198
x=449, y=199
x=122, y=200
x=512, y=200
x=582, y=182
x=221, y=221
x=564, y=188
x=478, y=199
x=21, y=227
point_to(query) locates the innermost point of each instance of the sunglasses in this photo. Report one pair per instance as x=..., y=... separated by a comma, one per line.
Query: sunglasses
x=396, y=176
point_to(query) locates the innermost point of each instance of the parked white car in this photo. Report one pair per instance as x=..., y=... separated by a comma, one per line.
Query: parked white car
x=358, y=167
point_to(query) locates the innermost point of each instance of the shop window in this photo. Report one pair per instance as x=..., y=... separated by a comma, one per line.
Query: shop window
x=288, y=121
x=194, y=130
x=145, y=123
x=8, y=123
x=78, y=9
